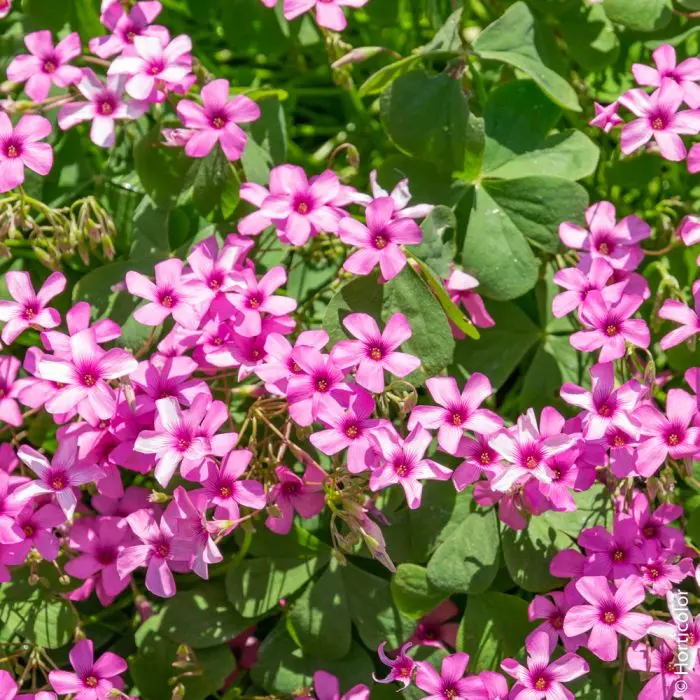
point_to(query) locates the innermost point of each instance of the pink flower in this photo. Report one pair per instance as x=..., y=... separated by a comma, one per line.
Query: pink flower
x=654, y=528
x=616, y=556
x=658, y=119
x=169, y=378
x=105, y=104
x=456, y=412
x=658, y=572
x=85, y=375
x=669, y=435
x=155, y=67
x=379, y=240
x=494, y=684
x=553, y=613
x=404, y=463
x=59, y=477
x=616, y=242
x=185, y=438
x=329, y=13
x=292, y=493
x=450, y=683
x=227, y=491
x=10, y=506
x=401, y=667
x=607, y=613
x=126, y=27
x=542, y=679
x=480, y=458
x=217, y=121
x=5, y=7
x=29, y=308
x=92, y=680
x=349, y=428
x=298, y=208
x=460, y=286
x=9, y=409
x=660, y=661
x=689, y=230
x=36, y=527
x=326, y=687
x=435, y=628
x=694, y=159
x=78, y=319
x=401, y=196
x=684, y=74
x=45, y=65
x=609, y=326
x=606, y=118
x=579, y=283
x=604, y=405
x=375, y=351
x=673, y=310
x=169, y=295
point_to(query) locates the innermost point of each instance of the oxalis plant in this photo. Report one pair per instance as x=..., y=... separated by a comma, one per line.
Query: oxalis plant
x=349, y=348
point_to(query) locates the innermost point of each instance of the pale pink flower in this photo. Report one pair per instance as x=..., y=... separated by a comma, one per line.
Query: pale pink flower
x=479, y=458
x=654, y=528
x=20, y=147
x=689, y=319
x=375, y=351
x=171, y=377
x=606, y=118
x=155, y=67
x=542, y=680
x=46, y=64
x=684, y=74
x=658, y=118
x=404, y=463
x=329, y=13
x=661, y=661
x=578, y=283
x=694, y=159
x=456, y=411
x=689, y=230
x=401, y=196
x=9, y=391
x=105, y=104
x=59, y=477
x=78, y=319
x=125, y=27
x=461, y=288
x=379, y=240
x=607, y=613
x=450, y=683
x=617, y=242
x=216, y=121
x=293, y=493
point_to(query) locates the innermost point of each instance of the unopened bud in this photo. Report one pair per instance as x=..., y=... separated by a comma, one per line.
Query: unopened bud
x=108, y=248
x=358, y=55
x=178, y=692
x=159, y=497
x=64, y=580
x=33, y=579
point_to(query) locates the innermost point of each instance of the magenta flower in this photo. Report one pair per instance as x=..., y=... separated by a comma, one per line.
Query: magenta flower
x=169, y=378
x=227, y=491
x=329, y=13
x=660, y=661
x=479, y=458
x=155, y=67
x=320, y=384
x=461, y=288
x=46, y=64
x=379, y=240
x=292, y=493
x=9, y=409
x=553, y=613
x=607, y=613
x=85, y=375
x=92, y=680
x=59, y=477
x=216, y=121
x=125, y=27
x=616, y=242
x=689, y=230
x=689, y=319
x=653, y=527
x=184, y=438
x=99, y=542
x=569, y=473
x=252, y=297
x=450, y=683
x=494, y=684
x=669, y=435
x=609, y=326
x=401, y=196
x=213, y=269
x=5, y=7
x=159, y=551
x=542, y=679
x=20, y=147
x=606, y=118
x=578, y=284
x=349, y=428
x=10, y=506
x=36, y=527
x=78, y=319
x=658, y=572
x=694, y=159
x=605, y=406
x=326, y=687
x=615, y=555
x=404, y=463
x=375, y=351
x=298, y=208
x=29, y=308
x=170, y=294
x=435, y=628
x=104, y=104
x=684, y=74
x=456, y=412
x=658, y=118
x=401, y=667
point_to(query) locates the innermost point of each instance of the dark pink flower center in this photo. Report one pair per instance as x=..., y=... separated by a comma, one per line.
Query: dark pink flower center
x=28, y=530
x=12, y=148
x=106, y=555
x=557, y=621
x=162, y=549
x=155, y=67
x=352, y=430
x=218, y=120
x=89, y=379
x=49, y=65
x=57, y=479
x=290, y=488
x=91, y=681
x=380, y=240
x=106, y=103
x=675, y=435
x=254, y=300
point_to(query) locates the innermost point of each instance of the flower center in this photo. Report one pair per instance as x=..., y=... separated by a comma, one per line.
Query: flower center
x=530, y=462
x=218, y=122
x=609, y=618
x=603, y=249
x=649, y=531
x=653, y=572
x=28, y=530
x=618, y=555
x=557, y=622
x=673, y=439
x=106, y=108
x=106, y=555
x=401, y=469
x=167, y=301
x=611, y=330
x=255, y=354
x=380, y=241
x=89, y=379
x=290, y=488
x=225, y=492
x=604, y=410
x=691, y=639
x=218, y=341
x=183, y=444
x=254, y=301
x=376, y=353
x=214, y=284
x=58, y=483
x=352, y=431
x=12, y=151
x=456, y=418
x=49, y=67
x=618, y=441
x=670, y=666
x=163, y=550
x=302, y=208
x=155, y=68
x=657, y=123
x=322, y=385
x=557, y=474
x=540, y=683
x=485, y=458
x=451, y=694
x=91, y=682
x=130, y=36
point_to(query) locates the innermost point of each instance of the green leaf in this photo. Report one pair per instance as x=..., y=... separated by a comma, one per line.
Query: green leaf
x=493, y=628
x=150, y=232
x=47, y=14
x=432, y=339
x=639, y=15
x=427, y=116
x=386, y=75
x=373, y=610
x=515, y=39
x=256, y=162
x=468, y=560
x=320, y=618
x=413, y=592
x=202, y=617
x=88, y=18
x=447, y=38
x=590, y=37
x=270, y=131
x=215, y=185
